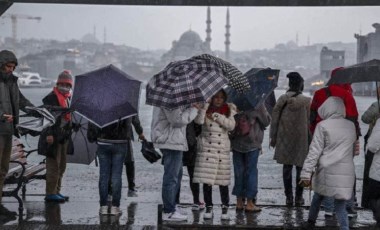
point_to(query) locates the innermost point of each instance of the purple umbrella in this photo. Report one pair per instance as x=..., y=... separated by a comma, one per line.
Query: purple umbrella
x=106, y=95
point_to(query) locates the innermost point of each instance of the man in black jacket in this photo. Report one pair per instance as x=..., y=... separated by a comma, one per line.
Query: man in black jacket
x=11, y=100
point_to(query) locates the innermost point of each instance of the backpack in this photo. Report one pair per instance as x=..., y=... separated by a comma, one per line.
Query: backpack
x=243, y=125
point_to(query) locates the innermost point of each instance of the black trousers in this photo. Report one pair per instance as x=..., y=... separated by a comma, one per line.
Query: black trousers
x=224, y=194
x=193, y=186
x=374, y=199
x=365, y=192
x=130, y=171
x=288, y=180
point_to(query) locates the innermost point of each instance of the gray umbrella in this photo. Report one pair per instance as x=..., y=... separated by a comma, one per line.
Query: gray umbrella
x=35, y=125
x=84, y=152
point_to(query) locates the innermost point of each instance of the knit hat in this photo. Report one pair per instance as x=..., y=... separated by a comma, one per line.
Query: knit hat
x=295, y=81
x=7, y=56
x=65, y=77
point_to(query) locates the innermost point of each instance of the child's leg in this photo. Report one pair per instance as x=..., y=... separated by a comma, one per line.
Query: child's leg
x=207, y=194
x=314, y=207
x=341, y=214
x=224, y=194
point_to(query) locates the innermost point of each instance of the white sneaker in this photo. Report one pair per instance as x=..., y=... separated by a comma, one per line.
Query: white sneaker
x=174, y=216
x=180, y=209
x=209, y=213
x=225, y=215
x=103, y=210
x=329, y=214
x=115, y=211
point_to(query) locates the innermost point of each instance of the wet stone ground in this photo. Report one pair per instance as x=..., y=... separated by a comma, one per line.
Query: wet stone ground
x=81, y=212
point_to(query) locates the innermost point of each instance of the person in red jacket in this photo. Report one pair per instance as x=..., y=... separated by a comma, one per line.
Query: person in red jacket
x=343, y=91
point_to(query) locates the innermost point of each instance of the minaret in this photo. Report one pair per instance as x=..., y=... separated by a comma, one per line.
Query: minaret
x=208, y=30
x=227, y=42
x=105, y=35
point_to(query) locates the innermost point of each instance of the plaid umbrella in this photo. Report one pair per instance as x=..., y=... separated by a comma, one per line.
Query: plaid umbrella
x=235, y=77
x=262, y=81
x=185, y=82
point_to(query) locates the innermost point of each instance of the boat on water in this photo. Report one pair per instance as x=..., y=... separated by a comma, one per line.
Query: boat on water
x=33, y=80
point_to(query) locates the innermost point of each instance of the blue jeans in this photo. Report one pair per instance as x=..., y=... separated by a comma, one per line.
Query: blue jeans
x=111, y=159
x=328, y=203
x=171, y=182
x=340, y=209
x=246, y=174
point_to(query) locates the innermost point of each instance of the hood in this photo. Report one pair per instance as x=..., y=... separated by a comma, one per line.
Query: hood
x=333, y=107
x=295, y=103
x=7, y=56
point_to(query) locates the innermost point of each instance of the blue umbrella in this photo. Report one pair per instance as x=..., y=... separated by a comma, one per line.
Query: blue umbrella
x=262, y=82
x=106, y=95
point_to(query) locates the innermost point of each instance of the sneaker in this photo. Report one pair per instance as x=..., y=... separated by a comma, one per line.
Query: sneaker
x=209, y=213
x=329, y=214
x=115, y=211
x=132, y=193
x=5, y=212
x=225, y=215
x=103, y=210
x=299, y=201
x=308, y=225
x=54, y=198
x=197, y=207
x=173, y=216
x=64, y=197
x=351, y=212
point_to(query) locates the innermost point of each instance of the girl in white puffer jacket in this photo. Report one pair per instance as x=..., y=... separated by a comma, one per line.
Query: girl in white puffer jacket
x=213, y=161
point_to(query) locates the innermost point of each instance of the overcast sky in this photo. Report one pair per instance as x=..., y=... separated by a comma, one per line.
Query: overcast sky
x=155, y=27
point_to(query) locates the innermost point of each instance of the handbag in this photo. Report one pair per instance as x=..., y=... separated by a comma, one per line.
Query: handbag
x=149, y=152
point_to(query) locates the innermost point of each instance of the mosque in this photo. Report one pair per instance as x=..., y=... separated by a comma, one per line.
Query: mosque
x=191, y=44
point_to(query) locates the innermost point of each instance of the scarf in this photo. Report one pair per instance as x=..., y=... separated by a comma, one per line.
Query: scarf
x=62, y=100
x=224, y=110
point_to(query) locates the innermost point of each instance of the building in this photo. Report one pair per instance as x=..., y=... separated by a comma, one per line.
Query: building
x=329, y=60
x=368, y=48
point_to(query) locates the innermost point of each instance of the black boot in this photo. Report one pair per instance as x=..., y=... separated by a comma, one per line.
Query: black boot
x=308, y=225
x=289, y=201
x=5, y=212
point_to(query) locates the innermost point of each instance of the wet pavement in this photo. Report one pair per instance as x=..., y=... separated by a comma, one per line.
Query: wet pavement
x=81, y=212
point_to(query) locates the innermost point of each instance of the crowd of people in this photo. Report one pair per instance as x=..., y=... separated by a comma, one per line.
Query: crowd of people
x=202, y=137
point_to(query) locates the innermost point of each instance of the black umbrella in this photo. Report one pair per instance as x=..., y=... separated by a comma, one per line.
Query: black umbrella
x=106, y=95
x=262, y=83
x=362, y=72
x=84, y=152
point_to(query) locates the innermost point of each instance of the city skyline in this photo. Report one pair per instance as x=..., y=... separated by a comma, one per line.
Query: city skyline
x=152, y=27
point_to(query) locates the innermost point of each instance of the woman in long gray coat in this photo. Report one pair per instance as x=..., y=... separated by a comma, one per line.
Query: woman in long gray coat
x=289, y=134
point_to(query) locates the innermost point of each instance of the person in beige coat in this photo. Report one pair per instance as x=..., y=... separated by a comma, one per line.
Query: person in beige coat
x=289, y=134
x=331, y=157
x=213, y=161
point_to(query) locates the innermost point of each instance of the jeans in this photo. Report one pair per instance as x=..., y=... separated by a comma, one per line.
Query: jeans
x=288, y=183
x=328, y=203
x=224, y=195
x=246, y=174
x=111, y=159
x=193, y=186
x=340, y=207
x=171, y=182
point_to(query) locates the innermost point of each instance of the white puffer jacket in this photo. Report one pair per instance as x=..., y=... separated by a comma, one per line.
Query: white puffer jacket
x=213, y=161
x=331, y=152
x=168, y=130
x=374, y=146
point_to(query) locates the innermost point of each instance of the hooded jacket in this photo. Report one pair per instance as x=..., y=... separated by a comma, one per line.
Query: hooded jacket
x=331, y=152
x=290, y=128
x=11, y=99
